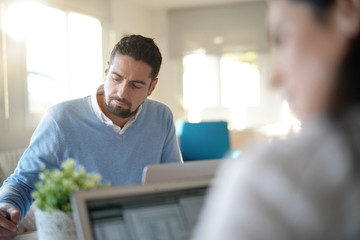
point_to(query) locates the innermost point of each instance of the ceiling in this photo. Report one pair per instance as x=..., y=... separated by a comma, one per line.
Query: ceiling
x=176, y=4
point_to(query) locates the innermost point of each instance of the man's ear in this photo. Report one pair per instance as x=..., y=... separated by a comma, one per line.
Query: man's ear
x=152, y=86
x=347, y=16
x=106, y=69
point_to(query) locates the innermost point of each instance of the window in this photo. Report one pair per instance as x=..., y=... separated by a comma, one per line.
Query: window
x=201, y=79
x=221, y=87
x=63, y=53
x=240, y=80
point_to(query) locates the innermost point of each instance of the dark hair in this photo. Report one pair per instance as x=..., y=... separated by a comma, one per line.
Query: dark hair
x=346, y=94
x=141, y=49
x=319, y=7
x=347, y=89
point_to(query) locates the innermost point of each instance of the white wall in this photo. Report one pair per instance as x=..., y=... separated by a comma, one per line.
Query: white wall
x=241, y=25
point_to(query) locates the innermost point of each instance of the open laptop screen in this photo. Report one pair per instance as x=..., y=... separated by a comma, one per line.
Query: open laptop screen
x=149, y=213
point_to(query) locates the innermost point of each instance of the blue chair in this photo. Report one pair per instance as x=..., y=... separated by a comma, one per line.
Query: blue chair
x=204, y=140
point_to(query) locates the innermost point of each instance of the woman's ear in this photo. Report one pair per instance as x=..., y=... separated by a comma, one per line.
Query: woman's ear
x=347, y=16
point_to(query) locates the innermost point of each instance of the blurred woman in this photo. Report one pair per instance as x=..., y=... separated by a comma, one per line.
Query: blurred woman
x=308, y=186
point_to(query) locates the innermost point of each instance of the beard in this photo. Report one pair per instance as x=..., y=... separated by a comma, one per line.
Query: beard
x=117, y=110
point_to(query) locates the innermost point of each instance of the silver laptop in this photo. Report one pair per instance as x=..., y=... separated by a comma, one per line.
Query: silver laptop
x=192, y=170
x=165, y=211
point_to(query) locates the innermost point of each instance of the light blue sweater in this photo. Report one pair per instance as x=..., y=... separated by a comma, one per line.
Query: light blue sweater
x=71, y=130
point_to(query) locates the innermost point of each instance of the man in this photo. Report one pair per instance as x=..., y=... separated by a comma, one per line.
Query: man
x=115, y=132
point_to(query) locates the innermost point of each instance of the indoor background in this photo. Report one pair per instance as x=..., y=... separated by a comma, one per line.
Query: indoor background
x=215, y=61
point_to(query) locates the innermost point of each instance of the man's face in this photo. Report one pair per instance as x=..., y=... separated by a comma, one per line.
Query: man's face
x=127, y=85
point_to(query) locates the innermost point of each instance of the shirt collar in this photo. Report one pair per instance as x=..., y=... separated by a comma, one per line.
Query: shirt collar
x=107, y=121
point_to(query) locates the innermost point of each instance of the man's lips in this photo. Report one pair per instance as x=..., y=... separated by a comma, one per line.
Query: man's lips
x=121, y=103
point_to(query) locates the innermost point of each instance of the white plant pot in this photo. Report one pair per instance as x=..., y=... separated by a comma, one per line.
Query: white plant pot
x=57, y=225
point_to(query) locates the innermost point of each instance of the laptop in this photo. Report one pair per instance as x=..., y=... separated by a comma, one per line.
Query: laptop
x=165, y=211
x=192, y=170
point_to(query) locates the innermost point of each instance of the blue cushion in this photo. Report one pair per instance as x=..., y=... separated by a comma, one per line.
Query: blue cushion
x=204, y=140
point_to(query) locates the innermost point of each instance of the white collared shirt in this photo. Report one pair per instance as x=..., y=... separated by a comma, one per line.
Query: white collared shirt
x=94, y=105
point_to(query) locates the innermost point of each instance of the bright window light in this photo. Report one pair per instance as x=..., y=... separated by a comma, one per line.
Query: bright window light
x=221, y=87
x=240, y=81
x=85, y=54
x=200, y=81
x=46, y=58
x=14, y=16
x=43, y=92
x=63, y=52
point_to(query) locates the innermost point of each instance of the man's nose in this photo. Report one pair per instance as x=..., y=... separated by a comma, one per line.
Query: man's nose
x=123, y=90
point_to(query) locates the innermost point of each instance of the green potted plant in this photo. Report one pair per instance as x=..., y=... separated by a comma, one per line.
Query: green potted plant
x=52, y=199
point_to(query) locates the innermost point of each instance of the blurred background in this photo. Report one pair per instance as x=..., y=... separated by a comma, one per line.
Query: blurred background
x=216, y=61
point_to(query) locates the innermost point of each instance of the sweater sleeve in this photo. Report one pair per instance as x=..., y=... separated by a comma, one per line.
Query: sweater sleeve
x=171, y=152
x=42, y=150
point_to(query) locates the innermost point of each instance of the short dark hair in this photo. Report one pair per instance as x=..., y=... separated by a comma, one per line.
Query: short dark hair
x=141, y=49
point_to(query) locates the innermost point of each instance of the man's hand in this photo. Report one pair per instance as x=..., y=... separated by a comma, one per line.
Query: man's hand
x=8, y=220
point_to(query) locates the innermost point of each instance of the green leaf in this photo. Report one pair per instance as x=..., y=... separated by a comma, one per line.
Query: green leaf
x=53, y=190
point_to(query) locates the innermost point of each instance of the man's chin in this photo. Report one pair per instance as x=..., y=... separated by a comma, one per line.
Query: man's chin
x=123, y=113
x=119, y=112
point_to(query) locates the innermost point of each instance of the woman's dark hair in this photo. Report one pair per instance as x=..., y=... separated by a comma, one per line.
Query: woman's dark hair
x=346, y=93
x=141, y=49
x=347, y=89
x=319, y=7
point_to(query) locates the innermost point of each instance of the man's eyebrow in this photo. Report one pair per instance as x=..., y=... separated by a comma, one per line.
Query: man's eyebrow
x=117, y=74
x=133, y=81
x=139, y=82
